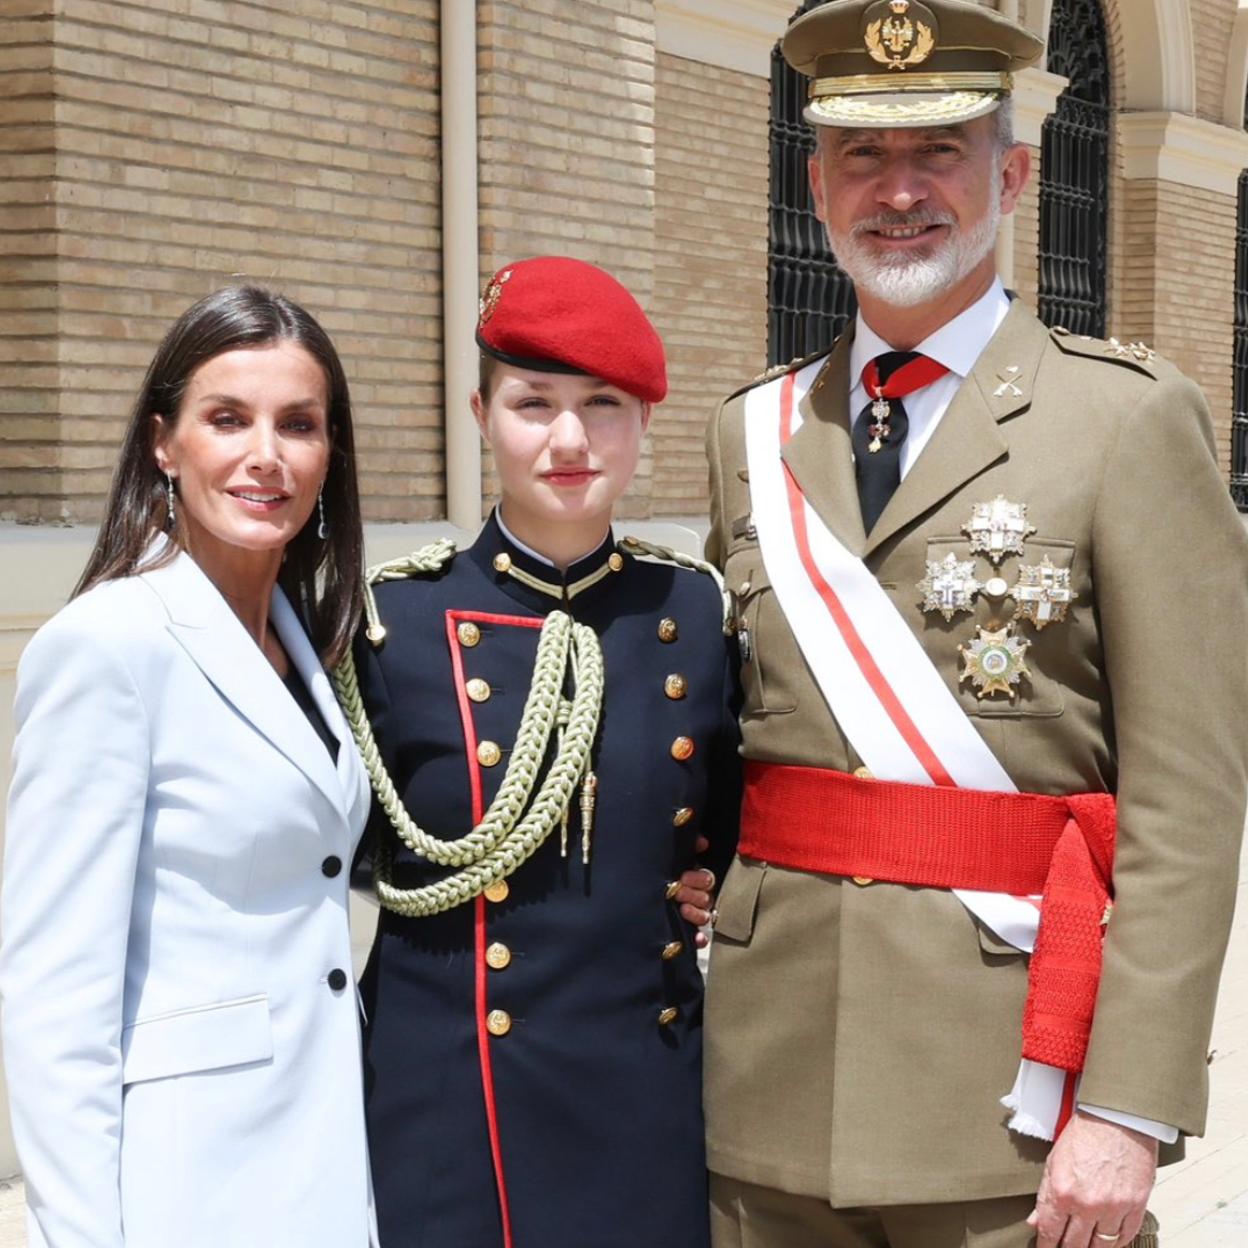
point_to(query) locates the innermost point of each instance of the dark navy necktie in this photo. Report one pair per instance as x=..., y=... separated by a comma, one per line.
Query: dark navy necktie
x=882, y=425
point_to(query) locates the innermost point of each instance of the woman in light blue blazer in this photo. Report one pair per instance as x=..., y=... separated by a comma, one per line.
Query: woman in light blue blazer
x=180, y=1022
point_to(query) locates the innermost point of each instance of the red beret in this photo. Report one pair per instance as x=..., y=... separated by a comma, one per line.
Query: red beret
x=561, y=315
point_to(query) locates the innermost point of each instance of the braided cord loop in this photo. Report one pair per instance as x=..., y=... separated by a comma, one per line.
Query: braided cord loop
x=635, y=546
x=503, y=839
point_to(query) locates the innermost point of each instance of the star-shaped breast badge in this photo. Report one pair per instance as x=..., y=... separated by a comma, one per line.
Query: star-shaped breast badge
x=995, y=661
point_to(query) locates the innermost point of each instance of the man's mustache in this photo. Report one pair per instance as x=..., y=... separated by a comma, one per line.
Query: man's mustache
x=901, y=220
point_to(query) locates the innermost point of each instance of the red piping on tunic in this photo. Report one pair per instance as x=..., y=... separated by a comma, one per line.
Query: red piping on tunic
x=453, y=619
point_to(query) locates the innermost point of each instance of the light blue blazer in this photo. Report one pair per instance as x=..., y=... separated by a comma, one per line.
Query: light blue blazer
x=180, y=1022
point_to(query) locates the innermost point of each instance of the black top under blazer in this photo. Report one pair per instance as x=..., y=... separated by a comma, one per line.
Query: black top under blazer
x=582, y=1124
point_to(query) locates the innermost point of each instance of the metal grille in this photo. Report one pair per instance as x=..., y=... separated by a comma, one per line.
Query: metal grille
x=809, y=299
x=1074, y=184
x=1239, y=401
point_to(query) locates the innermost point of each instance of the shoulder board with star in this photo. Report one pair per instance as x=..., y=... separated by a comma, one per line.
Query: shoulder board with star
x=1134, y=355
x=779, y=370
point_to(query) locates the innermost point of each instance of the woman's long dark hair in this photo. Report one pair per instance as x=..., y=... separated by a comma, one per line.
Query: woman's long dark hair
x=323, y=579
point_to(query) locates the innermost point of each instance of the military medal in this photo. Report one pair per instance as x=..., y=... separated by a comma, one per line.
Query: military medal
x=1043, y=593
x=994, y=662
x=998, y=528
x=949, y=586
x=879, y=431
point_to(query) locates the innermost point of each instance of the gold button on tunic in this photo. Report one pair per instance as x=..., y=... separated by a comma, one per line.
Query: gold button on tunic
x=499, y=891
x=488, y=754
x=667, y=1015
x=672, y=950
x=498, y=956
x=682, y=749
x=683, y=815
x=675, y=686
x=667, y=630
x=478, y=690
x=468, y=633
x=498, y=1022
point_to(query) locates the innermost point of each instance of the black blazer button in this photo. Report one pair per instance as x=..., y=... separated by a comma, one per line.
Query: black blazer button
x=331, y=866
x=337, y=979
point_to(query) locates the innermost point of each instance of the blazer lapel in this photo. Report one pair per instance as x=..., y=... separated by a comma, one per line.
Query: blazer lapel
x=968, y=438
x=201, y=621
x=820, y=456
x=352, y=781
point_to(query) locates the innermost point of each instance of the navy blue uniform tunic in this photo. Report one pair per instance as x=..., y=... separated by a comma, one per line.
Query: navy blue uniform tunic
x=533, y=1060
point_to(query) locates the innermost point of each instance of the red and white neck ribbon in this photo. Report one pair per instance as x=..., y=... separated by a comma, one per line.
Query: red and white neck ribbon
x=888, y=698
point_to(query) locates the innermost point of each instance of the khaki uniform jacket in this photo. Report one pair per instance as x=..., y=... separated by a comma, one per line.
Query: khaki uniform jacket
x=858, y=1039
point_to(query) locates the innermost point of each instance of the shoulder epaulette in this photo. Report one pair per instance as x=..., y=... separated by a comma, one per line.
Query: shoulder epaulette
x=779, y=370
x=665, y=554
x=423, y=562
x=1133, y=354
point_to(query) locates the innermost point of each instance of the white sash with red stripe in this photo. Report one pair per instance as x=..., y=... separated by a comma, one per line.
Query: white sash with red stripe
x=888, y=698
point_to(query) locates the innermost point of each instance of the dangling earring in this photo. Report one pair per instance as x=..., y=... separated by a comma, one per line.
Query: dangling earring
x=322, y=529
x=169, y=501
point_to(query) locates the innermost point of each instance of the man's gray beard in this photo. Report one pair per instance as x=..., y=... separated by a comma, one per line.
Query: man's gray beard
x=904, y=281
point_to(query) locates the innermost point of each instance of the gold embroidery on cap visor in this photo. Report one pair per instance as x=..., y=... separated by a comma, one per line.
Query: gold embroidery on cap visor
x=899, y=109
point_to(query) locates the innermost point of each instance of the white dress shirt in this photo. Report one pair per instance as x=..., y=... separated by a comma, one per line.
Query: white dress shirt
x=957, y=345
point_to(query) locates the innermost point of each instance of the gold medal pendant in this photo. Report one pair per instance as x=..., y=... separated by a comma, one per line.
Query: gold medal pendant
x=879, y=431
x=994, y=662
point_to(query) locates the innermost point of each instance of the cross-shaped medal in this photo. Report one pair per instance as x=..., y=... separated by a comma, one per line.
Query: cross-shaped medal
x=1043, y=593
x=949, y=586
x=998, y=528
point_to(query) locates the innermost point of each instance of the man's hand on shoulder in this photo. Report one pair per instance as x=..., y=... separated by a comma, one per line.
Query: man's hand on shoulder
x=1096, y=1186
x=696, y=895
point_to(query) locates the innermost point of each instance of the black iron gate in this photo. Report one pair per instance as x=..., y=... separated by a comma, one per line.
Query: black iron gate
x=809, y=299
x=1074, y=183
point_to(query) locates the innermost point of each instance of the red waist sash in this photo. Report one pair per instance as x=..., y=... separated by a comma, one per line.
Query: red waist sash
x=939, y=837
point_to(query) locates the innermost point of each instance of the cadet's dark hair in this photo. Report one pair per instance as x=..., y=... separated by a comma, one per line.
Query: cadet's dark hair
x=241, y=317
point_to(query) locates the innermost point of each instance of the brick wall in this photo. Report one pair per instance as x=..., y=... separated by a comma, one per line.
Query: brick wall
x=288, y=142
x=1212, y=23
x=710, y=260
x=1194, y=297
x=567, y=102
x=29, y=427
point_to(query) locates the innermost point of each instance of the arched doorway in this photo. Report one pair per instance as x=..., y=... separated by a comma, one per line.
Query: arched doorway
x=1074, y=183
x=809, y=299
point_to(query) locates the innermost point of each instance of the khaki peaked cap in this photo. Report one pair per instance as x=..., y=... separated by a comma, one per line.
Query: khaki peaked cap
x=906, y=63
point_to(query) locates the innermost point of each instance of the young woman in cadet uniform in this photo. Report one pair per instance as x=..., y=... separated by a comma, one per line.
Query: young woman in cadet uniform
x=552, y=731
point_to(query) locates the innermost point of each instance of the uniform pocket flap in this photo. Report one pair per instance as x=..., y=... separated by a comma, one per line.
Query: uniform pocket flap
x=738, y=900
x=990, y=942
x=203, y=1037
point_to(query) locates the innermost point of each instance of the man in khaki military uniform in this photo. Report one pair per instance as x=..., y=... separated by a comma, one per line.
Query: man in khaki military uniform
x=978, y=567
